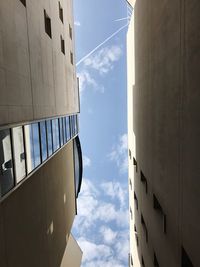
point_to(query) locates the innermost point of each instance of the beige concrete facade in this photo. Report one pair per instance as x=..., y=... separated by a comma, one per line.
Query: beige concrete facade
x=164, y=131
x=37, y=80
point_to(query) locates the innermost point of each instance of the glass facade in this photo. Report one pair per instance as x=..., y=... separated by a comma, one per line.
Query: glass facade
x=31, y=145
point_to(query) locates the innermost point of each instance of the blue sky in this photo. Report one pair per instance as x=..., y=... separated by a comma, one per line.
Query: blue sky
x=101, y=226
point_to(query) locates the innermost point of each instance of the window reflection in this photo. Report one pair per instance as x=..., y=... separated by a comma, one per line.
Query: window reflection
x=32, y=146
x=43, y=136
x=61, y=131
x=49, y=138
x=19, y=153
x=6, y=164
x=67, y=128
x=55, y=131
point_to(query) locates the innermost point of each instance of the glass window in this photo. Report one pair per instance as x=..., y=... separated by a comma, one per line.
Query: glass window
x=67, y=128
x=49, y=137
x=19, y=153
x=55, y=130
x=6, y=163
x=64, y=130
x=32, y=146
x=61, y=131
x=43, y=135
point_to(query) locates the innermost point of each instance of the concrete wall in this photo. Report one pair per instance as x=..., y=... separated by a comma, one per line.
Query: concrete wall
x=73, y=254
x=36, y=219
x=36, y=79
x=166, y=102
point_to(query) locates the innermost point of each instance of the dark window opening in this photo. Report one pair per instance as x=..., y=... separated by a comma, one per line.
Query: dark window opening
x=155, y=261
x=62, y=42
x=23, y=2
x=136, y=200
x=157, y=206
x=144, y=181
x=131, y=213
x=129, y=152
x=144, y=227
x=60, y=12
x=143, y=265
x=135, y=164
x=71, y=58
x=70, y=31
x=185, y=260
x=130, y=182
x=136, y=235
x=47, y=23
x=131, y=260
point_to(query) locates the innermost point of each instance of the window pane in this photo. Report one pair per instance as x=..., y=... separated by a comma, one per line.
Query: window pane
x=64, y=130
x=43, y=140
x=67, y=128
x=36, y=144
x=19, y=153
x=29, y=148
x=6, y=164
x=55, y=130
x=61, y=131
x=49, y=138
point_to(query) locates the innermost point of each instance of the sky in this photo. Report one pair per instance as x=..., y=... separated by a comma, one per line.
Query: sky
x=102, y=224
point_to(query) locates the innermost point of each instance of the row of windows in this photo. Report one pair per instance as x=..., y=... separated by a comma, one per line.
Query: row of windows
x=47, y=25
x=24, y=148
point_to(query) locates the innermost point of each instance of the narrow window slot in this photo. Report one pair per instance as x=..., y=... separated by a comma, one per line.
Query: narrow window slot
x=23, y=2
x=70, y=31
x=71, y=58
x=185, y=260
x=144, y=227
x=135, y=164
x=143, y=264
x=136, y=200
x=62, y=43
x=144, y=181
x=60, y=12
x=158, y=207
x=155, y=261
x=47, y=23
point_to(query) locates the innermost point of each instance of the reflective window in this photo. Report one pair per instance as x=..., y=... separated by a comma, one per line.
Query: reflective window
x=6, y=163
x=19, y=153
x=32, y=146
x=67, y=128
x=64, y=130
x=61, y=131
x=55, y=130
x=49, y=138
x=43, y=136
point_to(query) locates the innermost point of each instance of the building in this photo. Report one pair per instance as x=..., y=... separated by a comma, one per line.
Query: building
x=163, y=45
x=40, y=151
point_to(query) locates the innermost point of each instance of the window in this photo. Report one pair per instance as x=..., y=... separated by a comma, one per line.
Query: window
x=158, y=208
x=55, y=131
x=71, y=58
x=136, y=235
x=61, y=131
x=67, y=128
x=131, y=213
x=131, y=260
x=144, y=181
x=47, y=23
x=129, y=152
x=32, y=146
x=62, y=43
x=130, y=182
x=49, y=137
x=6, y=163
x=136, y=200
x=64, y=130
x=155, y=261
x=185, y=260
x=43, y=136
x=144, y=227
x=135, y=164
x=70, y=31
x=143, y=265
x=60, y=12
x=19, y=153
x=23, y=2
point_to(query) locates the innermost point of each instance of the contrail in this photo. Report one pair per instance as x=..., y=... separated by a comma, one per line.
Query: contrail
x=121, y=19
x=106, y=40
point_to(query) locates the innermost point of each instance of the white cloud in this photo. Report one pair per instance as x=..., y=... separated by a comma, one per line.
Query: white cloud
x=115, y=191
x=103, y=60
x=77, y=23
x=86, y=161
x=119, y=153
x=108, y=234
x=86, y=81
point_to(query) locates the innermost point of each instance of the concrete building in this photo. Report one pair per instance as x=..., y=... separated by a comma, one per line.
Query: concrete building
x=163, y=45
x=40, y=152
